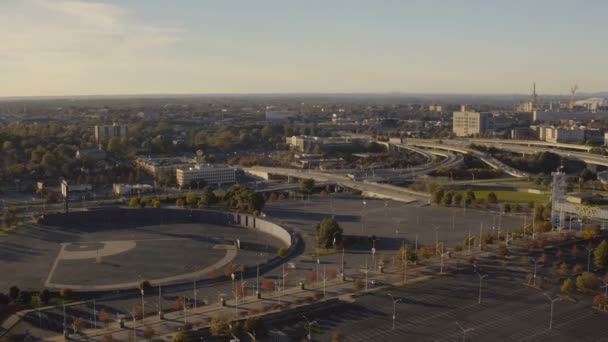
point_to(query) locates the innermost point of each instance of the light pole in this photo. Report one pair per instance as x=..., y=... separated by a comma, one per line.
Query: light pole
x=143, y=308
x=436, y=240
x=236, y=300
x=194, y=292
x=363, y=217
x=552, y=300
x=94, y=315
x=535, y=261
x=442, y=253
x=589, y=250
x=309, y=327
x=464, y=331
x=481, y=277
x=395, y=301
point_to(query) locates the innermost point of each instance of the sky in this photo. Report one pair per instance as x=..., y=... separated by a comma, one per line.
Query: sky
x=78, y=47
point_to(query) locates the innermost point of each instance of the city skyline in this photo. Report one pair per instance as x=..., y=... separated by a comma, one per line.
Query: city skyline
x=79, y=47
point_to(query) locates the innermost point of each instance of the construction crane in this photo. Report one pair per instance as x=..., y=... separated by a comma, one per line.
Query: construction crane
x=572, y=93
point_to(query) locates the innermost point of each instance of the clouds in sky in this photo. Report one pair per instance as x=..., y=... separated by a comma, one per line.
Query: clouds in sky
x=59, y=46
x=63, y=47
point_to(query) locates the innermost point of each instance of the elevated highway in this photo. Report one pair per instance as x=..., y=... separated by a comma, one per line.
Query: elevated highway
x=367, y=188
x=464, y=149
x=588, y=158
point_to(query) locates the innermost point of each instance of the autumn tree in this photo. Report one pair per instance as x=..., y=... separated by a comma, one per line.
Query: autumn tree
x=600, y=255
x=568, y=286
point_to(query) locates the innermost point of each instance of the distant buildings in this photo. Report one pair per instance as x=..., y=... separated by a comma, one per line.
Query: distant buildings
x=435, y=108
x=91, y=153
x=106, y=132
x=211, y=174
x=468, y=123
x=561, y=134
x=548, y=116
x=155, y=166
x=128, y=189
x=283, y=115
x=304, y=143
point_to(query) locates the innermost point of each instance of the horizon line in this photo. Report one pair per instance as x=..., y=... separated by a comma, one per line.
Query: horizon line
x=287, y=93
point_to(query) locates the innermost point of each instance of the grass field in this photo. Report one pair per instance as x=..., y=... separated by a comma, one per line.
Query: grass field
x=513, y=196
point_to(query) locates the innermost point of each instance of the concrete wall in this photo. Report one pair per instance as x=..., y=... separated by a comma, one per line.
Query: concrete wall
x=129, y=218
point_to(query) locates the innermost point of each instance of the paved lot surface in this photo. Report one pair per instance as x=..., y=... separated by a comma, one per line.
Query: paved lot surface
x=430, y=311
x=29, y=253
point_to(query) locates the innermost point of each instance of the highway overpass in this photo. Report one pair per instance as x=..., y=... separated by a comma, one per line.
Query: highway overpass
x=370, y=189
x=464, y=149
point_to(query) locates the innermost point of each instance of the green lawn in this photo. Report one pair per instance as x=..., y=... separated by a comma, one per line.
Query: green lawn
x=513, y=196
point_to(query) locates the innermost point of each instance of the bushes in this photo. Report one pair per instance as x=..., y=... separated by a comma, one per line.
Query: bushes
x=359, y=284
x=219, y=326
x=568, y=286
x=586, y=282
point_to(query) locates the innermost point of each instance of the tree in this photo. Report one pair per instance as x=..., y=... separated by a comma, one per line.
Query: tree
x=108, y=338
x=208, y=197
x=256, y=327
x=586, y=282
x=492, y=199
x=134, y=202
x=447, y=198
x=66, y=293
x=219, y=326
x=502, y=251
x=470, y=196
x=146, y=286
x=148, y=332
x=180, y=337
x=600, y=255
x=191, y=198
x=327, y=230
x=437, y=195
x=13, y=293
x=457, y=199
x=338, y=336
x=4, y=300
x=79, y=324
x=359, y=284
x=179, y=203
x=307, y=185
x=104, y=316
x=25, y=297
x=506, y=207
x=568, y=286
x=426, y=252
x=563, y=269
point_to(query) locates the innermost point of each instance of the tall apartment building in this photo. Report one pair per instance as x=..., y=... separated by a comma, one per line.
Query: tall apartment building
x=467, y=122
x=107, y=132
x=211, y=174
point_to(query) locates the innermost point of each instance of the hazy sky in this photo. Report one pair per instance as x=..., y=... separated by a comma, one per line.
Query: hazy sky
x=73, y=47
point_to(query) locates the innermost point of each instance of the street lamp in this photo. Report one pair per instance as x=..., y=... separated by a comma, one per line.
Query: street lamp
x=464, y=331
x=309, y=327
x=481, y=277
x=436, y=239
x=535, y=261
x=395, y=301
x=589, y=250
x=552, y=300
x=236, y=300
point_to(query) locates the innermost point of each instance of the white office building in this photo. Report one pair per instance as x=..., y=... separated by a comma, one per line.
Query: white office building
x=211, y=174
